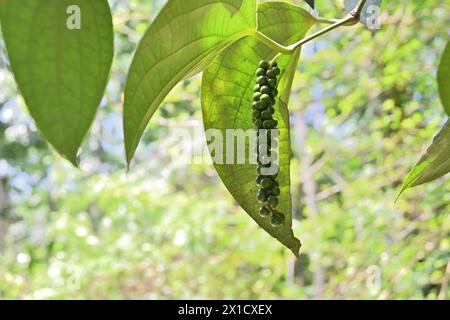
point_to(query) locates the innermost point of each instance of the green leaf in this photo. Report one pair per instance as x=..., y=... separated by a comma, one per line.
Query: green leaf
x=227, y=90
x=443, y=77
x=183, y=39
x=435, y=163
x=61, y=72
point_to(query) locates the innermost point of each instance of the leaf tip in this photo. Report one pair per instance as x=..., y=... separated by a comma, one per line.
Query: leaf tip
x=295, y=248
x=74, y=160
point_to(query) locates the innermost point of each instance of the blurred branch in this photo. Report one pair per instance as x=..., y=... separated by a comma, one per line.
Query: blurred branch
x=444, y=287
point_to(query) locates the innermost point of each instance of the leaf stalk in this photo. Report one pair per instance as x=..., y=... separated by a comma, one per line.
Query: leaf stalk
x=350, y=19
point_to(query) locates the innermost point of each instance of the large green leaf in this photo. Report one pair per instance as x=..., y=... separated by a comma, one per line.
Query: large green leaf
x=434, y=163
x=227, y=89
x=183, y=39
x=444, y=78
x=60, y=72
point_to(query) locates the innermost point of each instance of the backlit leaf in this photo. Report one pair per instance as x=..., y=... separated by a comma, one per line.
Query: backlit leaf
x=227, y=90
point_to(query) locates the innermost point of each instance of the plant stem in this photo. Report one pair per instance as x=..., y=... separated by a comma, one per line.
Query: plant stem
x=321, y=32
x=326, y=20
x=351, y=19
x=271, y=43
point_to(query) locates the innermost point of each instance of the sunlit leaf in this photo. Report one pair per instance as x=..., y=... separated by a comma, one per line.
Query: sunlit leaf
x=60, y=71
x=434, y=163
x=185, y=36
x=227, y=90
x=444, y=79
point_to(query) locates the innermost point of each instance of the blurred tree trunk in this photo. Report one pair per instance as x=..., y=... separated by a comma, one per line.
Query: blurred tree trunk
x=4, y=211
x=309, y=188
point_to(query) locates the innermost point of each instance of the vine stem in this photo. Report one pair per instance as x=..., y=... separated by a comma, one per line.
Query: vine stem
x=352, y=18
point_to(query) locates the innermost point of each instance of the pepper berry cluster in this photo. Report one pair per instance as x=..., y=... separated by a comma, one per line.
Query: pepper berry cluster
x=264, y=95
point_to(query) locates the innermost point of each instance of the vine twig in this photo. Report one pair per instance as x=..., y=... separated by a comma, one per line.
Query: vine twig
x=351, y=18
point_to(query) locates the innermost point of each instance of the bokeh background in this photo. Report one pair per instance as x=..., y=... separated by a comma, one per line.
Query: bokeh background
x=364, y=107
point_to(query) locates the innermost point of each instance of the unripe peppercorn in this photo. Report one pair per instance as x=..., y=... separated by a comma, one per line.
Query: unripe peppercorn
x=269, y=124
x=262, y=80
x=256, y=96
x=266, y=115
x=259, y=105
x=277, y=219
x=259, y=179
x=265, y=98
x=265, y=90
x=275, y=191
x=272, y=201
x=261, y=195
x=263, y=64
x=266, y=183
x=260, y=72
x=264, y=212
x=258, y=123
x=276, y=70
x=271, y=74
x=271, y=82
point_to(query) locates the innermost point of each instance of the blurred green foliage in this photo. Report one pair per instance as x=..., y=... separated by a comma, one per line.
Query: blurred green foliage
x=364, y=108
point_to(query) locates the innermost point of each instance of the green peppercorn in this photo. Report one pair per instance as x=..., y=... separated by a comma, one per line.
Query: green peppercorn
x=273, y=64
x=259, y=179
x=271, y=110
x=272, y=101
x=264, y=212
x=265, y=98
x=256, y=96
x=257, y=88
x=273, y=92
x=271, y=74
x=277, y=219
x=276, y=70
x=264, y=64
x=269, y=124
x=275, y=191
x=266, y=115
x=272, y=201
x=256, y=114
x=258, y=123
x=259, y=105
x=266, y=183
x=261, y=80
x=260, y=72
x=271, y=82
x=265, y=90
x=261, y=195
